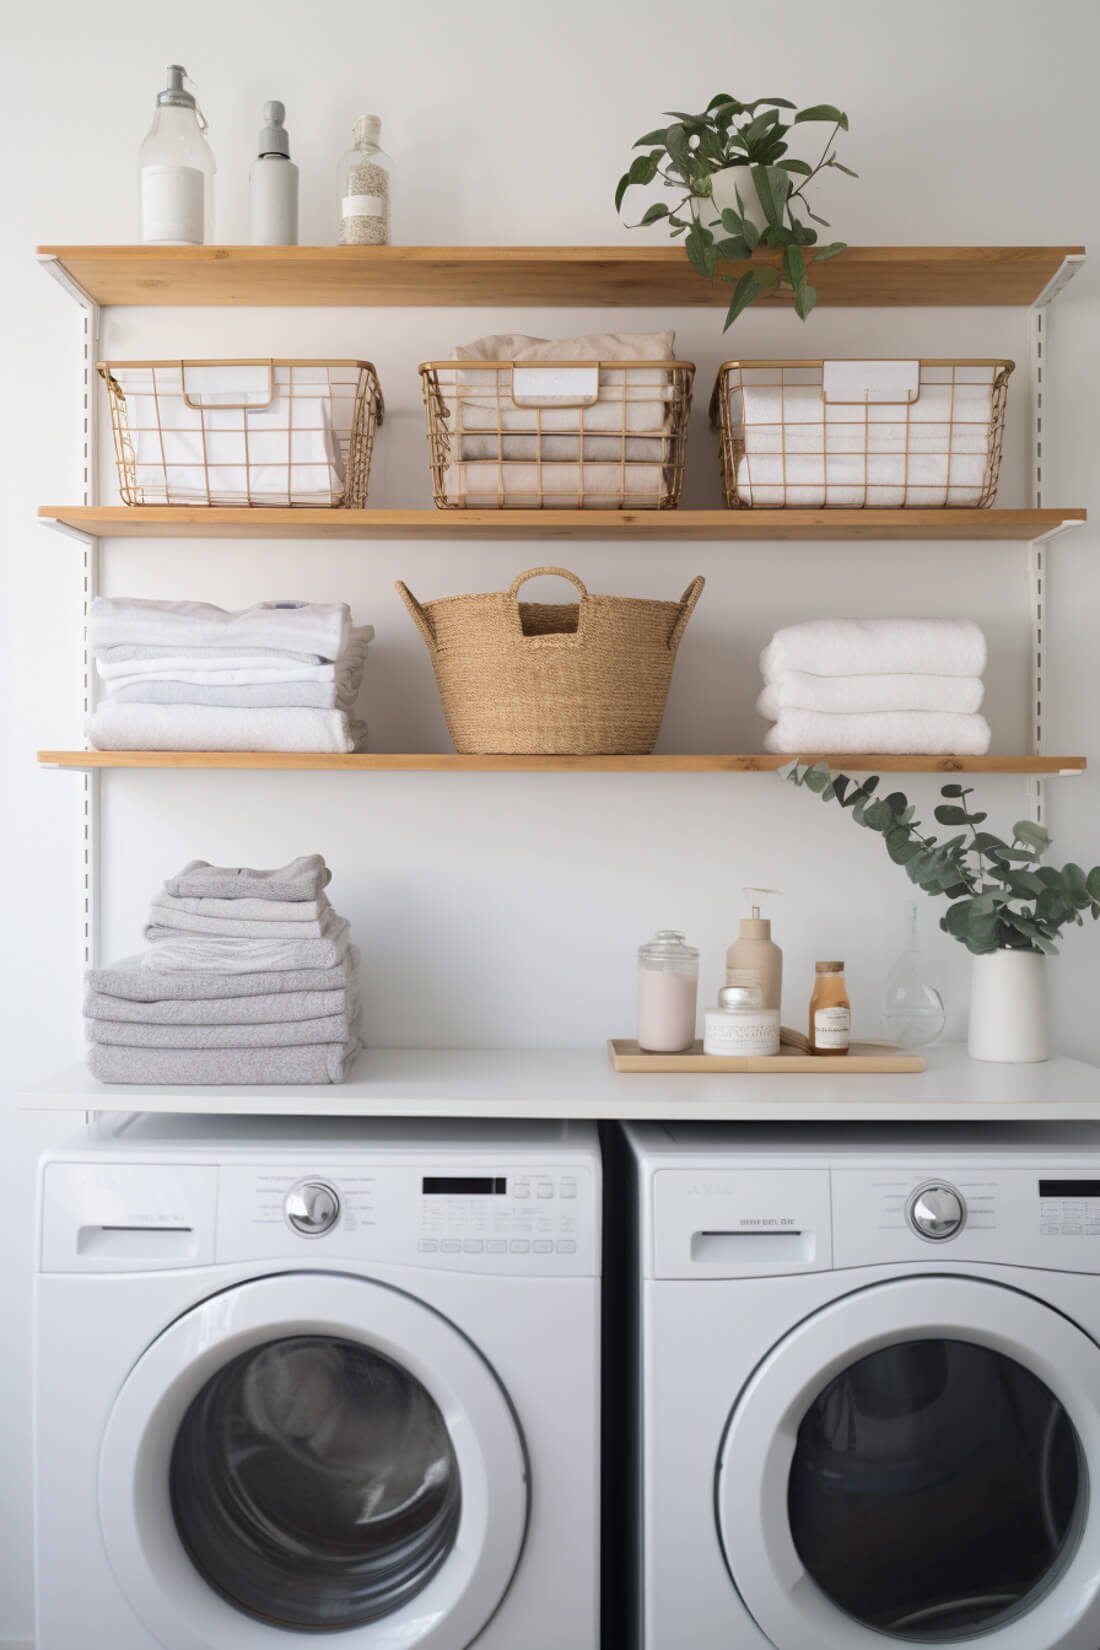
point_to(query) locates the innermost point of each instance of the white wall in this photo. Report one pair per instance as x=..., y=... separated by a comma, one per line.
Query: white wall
x=504, y=909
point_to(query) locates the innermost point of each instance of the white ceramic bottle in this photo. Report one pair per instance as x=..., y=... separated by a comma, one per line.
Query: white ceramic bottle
x=273, y=185
x=177, y=170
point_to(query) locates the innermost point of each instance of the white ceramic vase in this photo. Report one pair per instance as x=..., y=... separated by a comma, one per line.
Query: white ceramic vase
x=727, y=185
x=1008, y=1006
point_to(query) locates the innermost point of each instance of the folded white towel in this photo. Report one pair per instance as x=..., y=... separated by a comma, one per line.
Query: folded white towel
x=877, y=647
x=128, y=653
x=166, y=913
x=956, y=414
x=233, y=666
x=895, y=733
x=560, y=486
x=798, y=690
x=306, y=627
x=214, y=954
x=115, y=726
x=876, y=481
x=162, y=690
x=250, y=908
x=636, y=449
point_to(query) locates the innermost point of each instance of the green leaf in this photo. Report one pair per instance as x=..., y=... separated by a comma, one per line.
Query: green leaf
x=956, y=920
x=677, y=144
x=734, y=250
x=1092, y=883
x=651, y=138
x=774, y=102
x=732, y=223
x=776, y=236
x=773, y=185
x=800, y=166
x=652, y=213
x=948, y=815
x=804, y=301
x=900, y=845
x=802, y=235
x=795, y=266
x=847, y=170
x=817, y=779
x=833, y=250
x=722, y=101
x=1026, y=831
x=624, y=185
x=701, y=249
x=822, y=111
x=953, y=790
x=747, y=288
x=897, y=802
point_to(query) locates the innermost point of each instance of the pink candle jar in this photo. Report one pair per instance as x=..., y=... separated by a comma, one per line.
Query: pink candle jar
x=668, y=988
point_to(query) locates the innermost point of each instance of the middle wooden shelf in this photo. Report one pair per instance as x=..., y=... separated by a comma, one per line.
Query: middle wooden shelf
x=260, y=522
x=448, y=762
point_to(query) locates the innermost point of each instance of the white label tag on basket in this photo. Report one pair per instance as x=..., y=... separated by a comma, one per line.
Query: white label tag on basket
x=874, y=382
x=551, y=386
x=232, y=385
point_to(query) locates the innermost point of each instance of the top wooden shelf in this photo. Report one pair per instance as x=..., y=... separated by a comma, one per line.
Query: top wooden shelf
x=546, y=276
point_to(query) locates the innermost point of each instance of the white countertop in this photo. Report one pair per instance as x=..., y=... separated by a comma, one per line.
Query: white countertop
x=507, y=1083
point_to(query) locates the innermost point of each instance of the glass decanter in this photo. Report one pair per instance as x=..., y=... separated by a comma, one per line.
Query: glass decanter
x=913, y=1011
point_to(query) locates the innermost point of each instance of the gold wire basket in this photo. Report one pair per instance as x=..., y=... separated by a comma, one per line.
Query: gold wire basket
x=240, y=432
x=860, y=434
x=557, y=435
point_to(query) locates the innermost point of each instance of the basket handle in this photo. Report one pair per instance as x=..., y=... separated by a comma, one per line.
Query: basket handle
x=687, y=608
x=420, y=618
x=538, y=572
x=198, y=403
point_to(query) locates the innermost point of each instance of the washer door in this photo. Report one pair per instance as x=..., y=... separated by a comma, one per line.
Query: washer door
x=913, y=1464
x=313, y=1452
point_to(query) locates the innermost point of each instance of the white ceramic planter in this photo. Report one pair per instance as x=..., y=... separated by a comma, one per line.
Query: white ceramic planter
x=726, y=186
x=1008, y=1007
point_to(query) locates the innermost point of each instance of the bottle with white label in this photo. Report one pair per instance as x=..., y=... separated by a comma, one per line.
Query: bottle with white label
x=830, y=1011
x=366, y=186
x=177, y=170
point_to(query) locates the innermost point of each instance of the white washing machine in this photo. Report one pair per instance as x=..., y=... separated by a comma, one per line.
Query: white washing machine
x=869, y=1401
x=319, y=1379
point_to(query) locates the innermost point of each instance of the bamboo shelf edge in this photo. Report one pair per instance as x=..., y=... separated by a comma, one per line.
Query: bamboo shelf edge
x=188, y=521
x=448, y=762
x=569, y=276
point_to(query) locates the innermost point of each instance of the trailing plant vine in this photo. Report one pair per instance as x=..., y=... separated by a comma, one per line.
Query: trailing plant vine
x=1001, y=897
x=734, y=136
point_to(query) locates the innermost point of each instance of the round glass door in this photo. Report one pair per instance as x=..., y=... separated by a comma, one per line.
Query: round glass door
x=913, y=1463
x=934, y=1489
x=314, y=1484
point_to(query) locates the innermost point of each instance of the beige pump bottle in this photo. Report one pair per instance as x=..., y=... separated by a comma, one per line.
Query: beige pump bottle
x=754, y=958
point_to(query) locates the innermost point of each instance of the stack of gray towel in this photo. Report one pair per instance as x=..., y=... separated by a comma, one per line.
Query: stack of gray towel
x=250, y=977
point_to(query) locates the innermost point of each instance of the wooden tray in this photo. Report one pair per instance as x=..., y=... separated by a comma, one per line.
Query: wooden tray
x=881, y=1057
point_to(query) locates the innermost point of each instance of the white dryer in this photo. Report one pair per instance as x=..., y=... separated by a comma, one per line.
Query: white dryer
x=869, y=1388
x=319, y=1379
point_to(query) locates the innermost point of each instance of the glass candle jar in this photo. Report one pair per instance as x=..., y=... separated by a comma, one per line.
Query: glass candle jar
x=741, y=1024
x=668, y=986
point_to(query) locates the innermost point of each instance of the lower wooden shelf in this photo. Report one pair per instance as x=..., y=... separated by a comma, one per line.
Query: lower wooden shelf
x=510, y=1083
x=448, y=762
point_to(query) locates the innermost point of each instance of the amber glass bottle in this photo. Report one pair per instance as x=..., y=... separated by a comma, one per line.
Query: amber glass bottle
x=830, y=1011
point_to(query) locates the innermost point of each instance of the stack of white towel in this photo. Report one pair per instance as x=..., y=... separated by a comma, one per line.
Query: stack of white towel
x=896, y=686
x=250, y=977
x=187, y=676
x=516, y=452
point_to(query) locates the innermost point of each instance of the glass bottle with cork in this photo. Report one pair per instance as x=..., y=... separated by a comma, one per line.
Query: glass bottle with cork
x=830, y=1011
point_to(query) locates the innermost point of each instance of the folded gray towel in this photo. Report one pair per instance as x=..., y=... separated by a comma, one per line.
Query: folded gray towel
x=155, y=1067
x=333, y=1028
x=133, y=980
x=249, y=910
x=167, y=914
x=170, y=950
x=303, y=878
x=267, y=1008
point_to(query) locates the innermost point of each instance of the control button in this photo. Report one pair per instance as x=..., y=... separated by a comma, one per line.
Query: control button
x=473, y=1246
x=521, y=1191
x=568, y=1188
x=497, y=1246
x=428, y=1246
x=451, y=1246
x=543, y=1246
x=566, y=1246
x=312, y=1208
x=937, y=1211
x=519, y=1246
x=545, y=1189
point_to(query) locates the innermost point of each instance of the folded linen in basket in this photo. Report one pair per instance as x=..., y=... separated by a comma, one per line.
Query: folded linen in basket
x=332, y=1028
x=636, y=449
x=566, y=486
x=895, y=733
x=306, y=1063
x=164, y=913
x=283, y=454
x=953, y=416
x=877, y=647
x=883, y=481
x=169, y=951
x=115, y=726
x=302, y=878
x=636, y=400
x=304, y=627
x=798, y=690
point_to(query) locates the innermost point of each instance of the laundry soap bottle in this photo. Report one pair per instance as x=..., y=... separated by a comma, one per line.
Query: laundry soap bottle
x=754, y=959
x=273, y=185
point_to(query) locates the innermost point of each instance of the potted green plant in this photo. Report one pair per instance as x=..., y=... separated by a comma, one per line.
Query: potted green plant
x=740, y=191
x=1004, y=905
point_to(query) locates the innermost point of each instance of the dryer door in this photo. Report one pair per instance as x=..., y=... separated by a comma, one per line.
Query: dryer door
x=916, y=1463
x=317, y=1453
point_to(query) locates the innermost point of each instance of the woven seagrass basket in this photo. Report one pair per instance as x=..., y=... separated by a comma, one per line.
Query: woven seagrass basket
x=587, y=678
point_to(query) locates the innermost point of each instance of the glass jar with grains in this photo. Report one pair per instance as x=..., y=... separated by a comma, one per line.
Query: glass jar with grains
x=366, y=186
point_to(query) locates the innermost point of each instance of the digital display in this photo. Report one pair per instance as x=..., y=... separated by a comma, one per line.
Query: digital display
x=1069, y=1188
x=465, y=1186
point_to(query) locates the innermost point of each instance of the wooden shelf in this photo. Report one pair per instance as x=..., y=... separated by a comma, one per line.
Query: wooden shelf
x=503, y=1083
x=547, y=276
x=441, y=762
x=723, y=526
